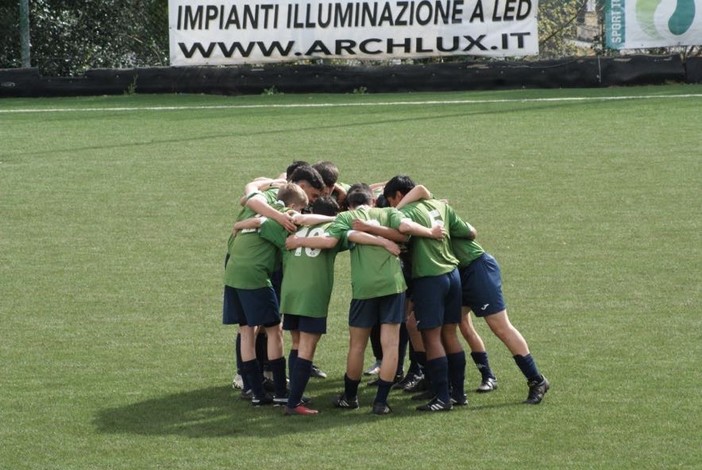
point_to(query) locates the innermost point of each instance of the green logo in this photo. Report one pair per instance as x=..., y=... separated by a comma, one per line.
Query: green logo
x=679, y=23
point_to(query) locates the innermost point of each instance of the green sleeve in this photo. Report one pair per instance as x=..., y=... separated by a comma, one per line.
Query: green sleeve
x=395, y=218
x=340, y=226
x=273, y=232
x=457, y=227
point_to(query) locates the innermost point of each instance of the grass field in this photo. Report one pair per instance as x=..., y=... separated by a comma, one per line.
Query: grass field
x=114, y=215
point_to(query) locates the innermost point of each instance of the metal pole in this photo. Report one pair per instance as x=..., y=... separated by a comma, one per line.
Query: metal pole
x=24, y=33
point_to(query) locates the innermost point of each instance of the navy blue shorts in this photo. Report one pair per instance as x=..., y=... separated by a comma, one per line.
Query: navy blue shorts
x=252, y=307
x=437, y=300
x=366, y=313
x=314, y=325
x=481, y=285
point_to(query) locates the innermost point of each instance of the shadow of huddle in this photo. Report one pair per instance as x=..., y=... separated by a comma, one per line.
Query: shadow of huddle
x=219, y=411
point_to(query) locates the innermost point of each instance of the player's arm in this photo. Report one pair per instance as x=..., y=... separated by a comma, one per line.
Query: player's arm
x=258, y=204
x=375, y=186
x=459, y=228
x=363, y=238
x=321, y=242
x=467, y=231
x=248, y=224
x=415, y=194
x=379, y=230
x=311, y=219
x=260, y=184
x=410, y=227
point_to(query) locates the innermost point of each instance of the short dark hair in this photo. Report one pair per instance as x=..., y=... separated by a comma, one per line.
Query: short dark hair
x=402, y=183
x=309, y=174
x=358, y=195
x=380, y=201
x=325, y=205
x=292, y=167
x=329, y=172
x=359, y=186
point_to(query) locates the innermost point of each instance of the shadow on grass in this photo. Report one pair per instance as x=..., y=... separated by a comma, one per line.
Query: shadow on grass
x=218, y=411
x=517, y=109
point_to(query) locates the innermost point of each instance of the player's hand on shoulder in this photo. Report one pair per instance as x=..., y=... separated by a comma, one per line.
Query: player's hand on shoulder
x=286, y=220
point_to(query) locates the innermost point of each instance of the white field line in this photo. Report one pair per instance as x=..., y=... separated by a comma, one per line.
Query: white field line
x=344, y=105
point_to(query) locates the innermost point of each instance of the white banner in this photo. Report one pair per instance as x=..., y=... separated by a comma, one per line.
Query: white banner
x=640, y=24
x=251, y=31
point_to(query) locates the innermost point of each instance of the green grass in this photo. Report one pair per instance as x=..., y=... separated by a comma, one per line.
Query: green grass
x=113, y=226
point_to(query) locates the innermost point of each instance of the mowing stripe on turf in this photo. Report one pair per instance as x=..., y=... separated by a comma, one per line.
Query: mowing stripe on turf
x=341, y=105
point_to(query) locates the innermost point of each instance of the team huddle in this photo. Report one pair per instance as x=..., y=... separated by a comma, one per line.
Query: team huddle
x=416, y=274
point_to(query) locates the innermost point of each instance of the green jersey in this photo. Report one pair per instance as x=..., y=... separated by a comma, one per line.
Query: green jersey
x=466, y=250
x=252, y=259
x=374, y=271
x=434, y=257
x=308, y=273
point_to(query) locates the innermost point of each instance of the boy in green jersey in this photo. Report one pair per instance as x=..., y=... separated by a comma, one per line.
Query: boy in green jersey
x=377, y=292
x=475, y=342
x=259, y=196
x=250, y=301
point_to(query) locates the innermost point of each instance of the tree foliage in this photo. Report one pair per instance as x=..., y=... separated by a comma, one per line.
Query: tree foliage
x=71, y=36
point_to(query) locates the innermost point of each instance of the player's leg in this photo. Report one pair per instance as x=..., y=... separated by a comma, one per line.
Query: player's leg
x=300, y=375
x=358, y=340
x=455, y=355
x=418, y=355
x=377, y=351
x=390, y=314
x=294, y=347
x=495, y=312
x=429, y=295
x=276, y=358
x=478, y=353
x=538, y=385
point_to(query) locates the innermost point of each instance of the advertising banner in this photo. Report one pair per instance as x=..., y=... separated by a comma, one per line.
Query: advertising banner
x=249, y=32
x=640, y=24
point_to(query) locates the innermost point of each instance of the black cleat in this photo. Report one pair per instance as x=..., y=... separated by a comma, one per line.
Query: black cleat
x=537, y=390
x=487, y=385
x=435, y=405
x=342, y=402
x=381, y=409
x=266, y=399
x=403, y=383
